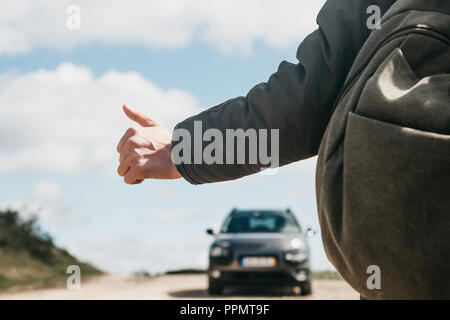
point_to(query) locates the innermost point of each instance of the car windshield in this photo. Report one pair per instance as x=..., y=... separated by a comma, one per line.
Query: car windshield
x=260, y=221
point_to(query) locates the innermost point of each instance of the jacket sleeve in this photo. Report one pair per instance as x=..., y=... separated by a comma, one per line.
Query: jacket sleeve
x=297, y=100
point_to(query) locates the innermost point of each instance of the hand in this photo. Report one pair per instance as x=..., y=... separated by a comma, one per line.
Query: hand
x=145, y=151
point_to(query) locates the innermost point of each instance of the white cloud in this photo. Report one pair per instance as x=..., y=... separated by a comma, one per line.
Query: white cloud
x=44, y=200
x=230, y=25
x=305, y=168
x=67, y=121
x=46, y=191
x=174, y=216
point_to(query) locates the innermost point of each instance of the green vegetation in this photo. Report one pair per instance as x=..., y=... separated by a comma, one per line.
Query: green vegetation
x=186, y=271
x=326, y=275
x=28, y=256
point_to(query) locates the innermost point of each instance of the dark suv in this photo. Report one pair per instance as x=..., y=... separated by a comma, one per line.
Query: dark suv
x=259, y=247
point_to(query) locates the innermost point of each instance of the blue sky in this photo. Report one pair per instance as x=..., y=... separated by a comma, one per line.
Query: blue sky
x=60, y=118
x=211, y=76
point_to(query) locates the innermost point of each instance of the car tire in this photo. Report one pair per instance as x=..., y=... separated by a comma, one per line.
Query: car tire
x=214, y=289
x=306, y=289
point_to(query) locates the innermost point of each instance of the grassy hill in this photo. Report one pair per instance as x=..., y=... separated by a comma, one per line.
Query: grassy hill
x=28, y=256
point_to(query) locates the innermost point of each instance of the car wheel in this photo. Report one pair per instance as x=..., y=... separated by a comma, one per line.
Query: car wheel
x=214, y=289
x=306, y=289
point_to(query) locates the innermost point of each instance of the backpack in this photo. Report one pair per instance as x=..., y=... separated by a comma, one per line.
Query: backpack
x=383, y=172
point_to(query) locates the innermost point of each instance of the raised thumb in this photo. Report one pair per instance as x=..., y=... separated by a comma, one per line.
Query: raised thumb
x=138, y=117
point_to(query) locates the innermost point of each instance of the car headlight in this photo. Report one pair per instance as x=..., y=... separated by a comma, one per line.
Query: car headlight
x=295, y=256
x=219, y=251
x=297, y=244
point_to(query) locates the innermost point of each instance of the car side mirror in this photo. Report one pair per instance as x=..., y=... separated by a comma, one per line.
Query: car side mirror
x=210, y=231
x=310, y=232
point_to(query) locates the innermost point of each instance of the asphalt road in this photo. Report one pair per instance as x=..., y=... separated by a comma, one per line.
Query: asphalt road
x=178, y=287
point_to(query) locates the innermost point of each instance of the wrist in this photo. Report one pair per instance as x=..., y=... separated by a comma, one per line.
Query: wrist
x=174, y=173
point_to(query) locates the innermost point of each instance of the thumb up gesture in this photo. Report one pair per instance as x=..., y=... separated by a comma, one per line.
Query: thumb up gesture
x=145, y=150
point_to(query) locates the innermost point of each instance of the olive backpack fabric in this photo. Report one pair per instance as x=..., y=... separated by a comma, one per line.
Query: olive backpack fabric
x=383, y=172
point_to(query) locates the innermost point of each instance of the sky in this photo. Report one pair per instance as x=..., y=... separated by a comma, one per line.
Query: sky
x=66, y=69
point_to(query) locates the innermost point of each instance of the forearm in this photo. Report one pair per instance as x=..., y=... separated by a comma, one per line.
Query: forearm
x=297, y=100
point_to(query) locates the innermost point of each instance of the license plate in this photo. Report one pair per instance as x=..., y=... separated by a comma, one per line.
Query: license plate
x=258, y=262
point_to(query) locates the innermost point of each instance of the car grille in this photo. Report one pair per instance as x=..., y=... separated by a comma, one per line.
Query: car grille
x=266, y=275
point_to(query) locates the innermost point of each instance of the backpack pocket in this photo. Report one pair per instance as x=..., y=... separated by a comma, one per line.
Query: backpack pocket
x=396, y=206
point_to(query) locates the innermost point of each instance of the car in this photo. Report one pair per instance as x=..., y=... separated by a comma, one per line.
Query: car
x=259, y=247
